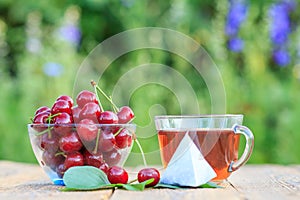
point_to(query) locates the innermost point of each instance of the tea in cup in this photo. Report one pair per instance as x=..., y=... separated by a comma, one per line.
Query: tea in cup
x=217, y=137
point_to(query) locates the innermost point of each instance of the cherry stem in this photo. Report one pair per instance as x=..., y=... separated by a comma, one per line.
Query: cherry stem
x=132, y=181
x=97, y=96
x=117, y=133
x=44, y=131
x=141, y=150
x=51, y=117
x=115, y=110
x=103, y=93
x=97, y=142
x=130, y=120
x=49, y=127
x=60, y=153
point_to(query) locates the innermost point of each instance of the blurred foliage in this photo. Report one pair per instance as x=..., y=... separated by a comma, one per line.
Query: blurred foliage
x=31, y=45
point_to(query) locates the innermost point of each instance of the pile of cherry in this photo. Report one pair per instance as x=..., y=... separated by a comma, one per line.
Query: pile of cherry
x=85, y=134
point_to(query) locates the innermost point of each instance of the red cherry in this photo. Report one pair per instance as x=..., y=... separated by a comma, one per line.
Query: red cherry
x=66, y=98
x=123, y=139
x=49, y=141
x=112, y=158
x=61, y=106
x=148, y=173
x=125, y=115
x=107, y=141
x=104, y=167
x=95, y=160
x=62, y=123
x=76, y=114
x=42, y=109
x=129, y=141
x=85, y=97
x=87, y=130
x=108, y=117
x=116, y=175
x=91, y=111
x=51, y=160
x=70, y=142
x=41, y=118
x=73, y=159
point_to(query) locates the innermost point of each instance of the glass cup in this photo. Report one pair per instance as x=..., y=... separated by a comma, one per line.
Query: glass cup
x=217, y=137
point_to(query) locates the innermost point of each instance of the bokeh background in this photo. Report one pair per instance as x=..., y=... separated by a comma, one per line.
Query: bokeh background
x=255, y=44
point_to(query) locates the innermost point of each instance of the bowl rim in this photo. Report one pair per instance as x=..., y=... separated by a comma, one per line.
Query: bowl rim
x=77, y=124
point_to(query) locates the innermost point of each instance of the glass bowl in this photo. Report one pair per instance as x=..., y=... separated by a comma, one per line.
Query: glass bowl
x=59, y=147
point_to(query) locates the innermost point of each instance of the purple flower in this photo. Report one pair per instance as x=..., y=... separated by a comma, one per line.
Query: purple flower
x=53, y=69
x=280, y=27
x=281, y=57
x=70, y=33
x=289, y=5
x=235, y=44
x=236, y=15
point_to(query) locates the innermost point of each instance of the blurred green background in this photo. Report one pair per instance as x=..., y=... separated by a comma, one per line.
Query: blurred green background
x=43, y=43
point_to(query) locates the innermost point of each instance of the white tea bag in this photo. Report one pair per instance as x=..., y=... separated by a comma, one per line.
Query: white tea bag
x=187, y=166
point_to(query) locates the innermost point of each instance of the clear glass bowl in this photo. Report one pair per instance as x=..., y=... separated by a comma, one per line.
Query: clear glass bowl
x=59, y=147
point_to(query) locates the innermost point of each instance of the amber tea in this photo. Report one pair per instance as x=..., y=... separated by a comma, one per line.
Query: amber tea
x=219, y=147
x=215, y=136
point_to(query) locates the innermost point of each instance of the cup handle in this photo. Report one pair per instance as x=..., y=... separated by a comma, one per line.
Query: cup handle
x=243, y=130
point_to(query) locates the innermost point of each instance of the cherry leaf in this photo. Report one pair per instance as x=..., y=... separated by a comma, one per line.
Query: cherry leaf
x=85, y=178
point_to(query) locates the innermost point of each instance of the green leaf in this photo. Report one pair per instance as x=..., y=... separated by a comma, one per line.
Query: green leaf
x=85, y=178
x=161, y=185
x=210, y=185
x=138, y=186
x=206, y=185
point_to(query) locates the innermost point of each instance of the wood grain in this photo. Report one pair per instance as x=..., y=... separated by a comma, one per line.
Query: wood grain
x=186, y=194
x=28, y=181
x=267, y=182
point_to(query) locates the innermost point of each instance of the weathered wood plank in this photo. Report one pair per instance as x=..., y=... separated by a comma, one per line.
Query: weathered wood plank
x=267, y=182
x=28, y=181
x=186, y=194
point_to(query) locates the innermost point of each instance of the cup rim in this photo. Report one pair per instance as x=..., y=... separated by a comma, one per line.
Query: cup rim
x=200, y=116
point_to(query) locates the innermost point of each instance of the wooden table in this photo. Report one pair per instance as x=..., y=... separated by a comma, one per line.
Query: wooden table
x=28, y=181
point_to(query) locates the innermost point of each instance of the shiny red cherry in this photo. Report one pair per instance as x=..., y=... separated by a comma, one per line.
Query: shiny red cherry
x=148, y=173
x=66, y=98
x=76, y=114
x=62, y=123
x=125, y=115
x=42, y=109
x=104, y=167
x=123, y=139
x=85, y=97
x=40, y=121
x=116, y=175
x=87, y=130
x=61, y=106
x=73, y=159
x=107, y=141
x=70, y=142
x=91, y=159
x=90, y=111
x=49, y=141
x=108, y=117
